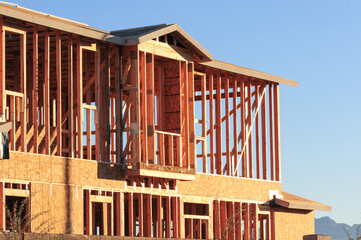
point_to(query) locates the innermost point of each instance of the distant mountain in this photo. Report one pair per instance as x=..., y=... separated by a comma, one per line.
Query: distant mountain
x=327, y=226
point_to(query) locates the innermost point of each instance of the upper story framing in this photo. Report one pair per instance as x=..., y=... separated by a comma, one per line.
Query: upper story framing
x=151, y=99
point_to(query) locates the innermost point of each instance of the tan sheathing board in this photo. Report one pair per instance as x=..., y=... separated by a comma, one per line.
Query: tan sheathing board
x=53, y=204
x=293, y=224
x=248, y=72
x=228, y=187
x=296, y=202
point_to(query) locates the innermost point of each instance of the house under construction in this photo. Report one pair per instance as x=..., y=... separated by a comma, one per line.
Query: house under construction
x=140, y=133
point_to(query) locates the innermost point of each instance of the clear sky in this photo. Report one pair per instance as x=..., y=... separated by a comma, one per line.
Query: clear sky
x=317, y=43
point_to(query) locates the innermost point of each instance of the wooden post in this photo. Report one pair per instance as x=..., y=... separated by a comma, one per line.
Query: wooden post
x=249, y=120
x=255, y=221
x=46, y=92
x=130, y=214
x=216, y=219
x=211, y=124
x=79, y=82
x=272, y=225
x=190, y=107
x=2, y=68
x=118, y=105
x=175, y=216
x=35, y=90
x=159, y=217
x=224, y=223
x=97, y=102
x=88, y=227
x=23, y=84
x=235, y=131
x=58, y=96
x=143, y=104
x=204, y=123
x=70, y=98
x=243, y=129
x=231, y=220
x=2, y=210
x=118, y=222
x=104, y=110
x=219, y=127
x=258, y=161
x=135, y=109
x=140, y=214
x=270, y=100
x=167, y=215
x=277, y=131
x=228, y=154
x=264, y=136
x=246, y=219
x=238, y=219
x=150, y=107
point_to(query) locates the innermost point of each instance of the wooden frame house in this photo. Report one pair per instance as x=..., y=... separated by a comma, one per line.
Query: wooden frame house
x=140, y=133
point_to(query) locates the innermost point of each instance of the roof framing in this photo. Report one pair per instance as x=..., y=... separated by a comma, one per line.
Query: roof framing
x=124, y=38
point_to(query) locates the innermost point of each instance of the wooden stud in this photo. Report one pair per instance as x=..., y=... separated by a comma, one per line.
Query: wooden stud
x=255, y=221
x=167, y=216
x=190, y=115
x=46, y=93
x=97, y=90
x=135, y=108
x=2, y=210
x=118, y=222
x=79, y=82
x=130, y=214
x=258, y=159
x=277, y=131
x=58, y=95
x=235, y=130
x=150, y=107
x=243, y=129
x=70, y=97
x=264, y=136
x=118, y=106
x=219, y=127
x=204, y=123
x=35, y=90
x=228, y=154
x=107, y=106
x=2, y=68
x=246, y=219
x=159, y=217
x=175, y=216
x=211, y=118
x=88, y=229
x=23, y=82
x=143, y=105
x=140, y=214
x=238, y=219
x=272, y=225
x=249, y=131
x=270, y=109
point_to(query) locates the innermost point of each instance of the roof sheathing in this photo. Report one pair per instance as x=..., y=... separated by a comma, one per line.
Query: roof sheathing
x=58, y=23
x=292, y=201
x=248, y=72
x=144, y=34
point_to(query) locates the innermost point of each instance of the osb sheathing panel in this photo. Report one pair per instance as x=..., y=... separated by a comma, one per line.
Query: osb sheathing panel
x=41, y=168
x=293, y=224
x=228, y=187
x=58, y=206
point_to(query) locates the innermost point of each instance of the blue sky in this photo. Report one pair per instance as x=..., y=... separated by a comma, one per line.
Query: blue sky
x=317, y=43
